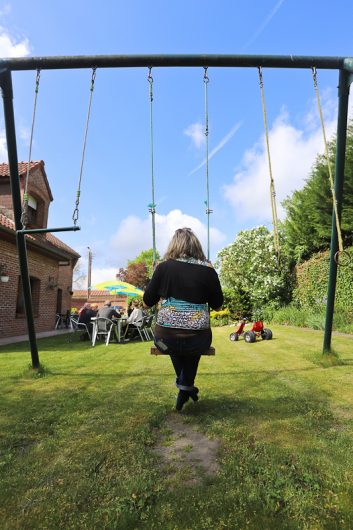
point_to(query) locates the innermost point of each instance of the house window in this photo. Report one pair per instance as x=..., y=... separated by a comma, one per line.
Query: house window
x=32, y=210
x=35, y=290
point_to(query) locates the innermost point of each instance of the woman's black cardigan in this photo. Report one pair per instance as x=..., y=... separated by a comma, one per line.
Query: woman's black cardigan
x=198, y=284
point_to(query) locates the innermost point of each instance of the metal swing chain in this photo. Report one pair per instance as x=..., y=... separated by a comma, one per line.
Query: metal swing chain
x=341, y=251
x=24, y=213
x=272, y=182
x=152, y=206
x=75, y=214
x=206, y=80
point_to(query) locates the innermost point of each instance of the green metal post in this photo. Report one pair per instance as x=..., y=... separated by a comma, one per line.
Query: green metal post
x=6, y=87
x=345, y=79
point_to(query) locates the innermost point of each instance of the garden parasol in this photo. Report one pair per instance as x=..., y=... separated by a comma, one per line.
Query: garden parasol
x=117, y=287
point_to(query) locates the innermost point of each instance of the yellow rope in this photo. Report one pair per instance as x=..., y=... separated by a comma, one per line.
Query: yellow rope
x=334, y=199
x=272, y=182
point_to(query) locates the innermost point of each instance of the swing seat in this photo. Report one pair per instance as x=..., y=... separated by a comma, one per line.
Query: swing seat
x=156, y=351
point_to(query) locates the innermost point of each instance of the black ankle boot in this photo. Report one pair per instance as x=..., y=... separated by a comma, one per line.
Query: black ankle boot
x=182, y=398
x=193, y=393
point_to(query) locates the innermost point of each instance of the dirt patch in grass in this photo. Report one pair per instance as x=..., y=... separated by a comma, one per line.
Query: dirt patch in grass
x=185, y=453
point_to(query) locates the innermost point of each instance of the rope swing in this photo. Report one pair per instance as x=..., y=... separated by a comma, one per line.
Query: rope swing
x=341, y=257
x=152, y=205
x=75, y=215
x=24, y=214
x=272, y=182
x=207, y=201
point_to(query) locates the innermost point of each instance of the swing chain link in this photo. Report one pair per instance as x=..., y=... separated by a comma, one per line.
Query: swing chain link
x=206, y=79
x=94, y=71
x=150, y=80
x=76, y=210
x=37, y=81
x=315, y=77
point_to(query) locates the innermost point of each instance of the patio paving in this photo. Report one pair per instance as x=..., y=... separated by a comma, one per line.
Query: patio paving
x=22, y=338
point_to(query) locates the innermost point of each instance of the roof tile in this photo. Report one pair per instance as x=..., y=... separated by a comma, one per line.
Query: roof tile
x=22, y=167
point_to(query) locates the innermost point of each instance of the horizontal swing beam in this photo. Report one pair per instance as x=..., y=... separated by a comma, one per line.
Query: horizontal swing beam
x=45, y=230
x=131, y=61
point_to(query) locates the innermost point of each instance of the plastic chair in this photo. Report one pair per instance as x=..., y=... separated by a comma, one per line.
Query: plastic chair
x=148, y=327
x=102, y=328
x=140, y=327
x=75, y=325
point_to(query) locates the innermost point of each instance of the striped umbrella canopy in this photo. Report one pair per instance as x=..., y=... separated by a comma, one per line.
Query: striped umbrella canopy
x=118, y=287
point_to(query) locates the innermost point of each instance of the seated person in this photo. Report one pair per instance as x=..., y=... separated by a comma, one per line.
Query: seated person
x=84, y=317
x=107, y=311
x=94, y=308
x=135, y=317
x=129, y=309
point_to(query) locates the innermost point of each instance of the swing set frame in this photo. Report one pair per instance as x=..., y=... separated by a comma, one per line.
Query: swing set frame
x=343, y=64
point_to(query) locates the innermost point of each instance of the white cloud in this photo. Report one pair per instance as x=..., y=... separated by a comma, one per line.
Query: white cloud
x=293, y=152
x=12, y=47
x=135, y=234
x=197, y=134
x=103, y=274
x=9, y=47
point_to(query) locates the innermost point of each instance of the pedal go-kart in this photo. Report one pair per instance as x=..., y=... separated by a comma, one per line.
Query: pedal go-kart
x=256, y=330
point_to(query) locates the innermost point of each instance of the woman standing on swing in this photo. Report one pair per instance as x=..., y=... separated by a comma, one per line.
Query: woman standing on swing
x=185, y=283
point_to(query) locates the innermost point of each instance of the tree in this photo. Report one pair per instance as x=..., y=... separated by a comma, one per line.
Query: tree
x=249, y=267
x=137, y=275
x=146, y=257
x=309, y=210
x=121, y=274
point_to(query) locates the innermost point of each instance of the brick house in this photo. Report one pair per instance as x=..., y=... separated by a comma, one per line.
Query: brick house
x=50, y=261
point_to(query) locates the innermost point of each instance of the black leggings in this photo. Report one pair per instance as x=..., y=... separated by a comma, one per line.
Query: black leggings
x=185, y=353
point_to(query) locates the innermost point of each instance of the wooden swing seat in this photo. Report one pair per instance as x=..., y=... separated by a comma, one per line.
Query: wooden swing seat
x=155, y=351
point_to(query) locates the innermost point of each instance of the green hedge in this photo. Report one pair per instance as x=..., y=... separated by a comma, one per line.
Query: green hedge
x=312, y=281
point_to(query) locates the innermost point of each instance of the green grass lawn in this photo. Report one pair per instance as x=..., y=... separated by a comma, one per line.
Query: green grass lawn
x=76, y=443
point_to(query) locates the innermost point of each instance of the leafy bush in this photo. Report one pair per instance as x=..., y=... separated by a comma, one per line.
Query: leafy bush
x=237, y=302
x=219, y=318
x=288, y=315
x=312, y=280
x=251, y=262
x=314, y=317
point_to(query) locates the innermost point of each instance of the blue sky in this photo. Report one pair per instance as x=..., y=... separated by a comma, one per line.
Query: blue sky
x=116, y=185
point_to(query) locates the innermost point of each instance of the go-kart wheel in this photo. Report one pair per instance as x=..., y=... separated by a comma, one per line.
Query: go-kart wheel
x=250, y=336
x=266, y=334
x=233, y=337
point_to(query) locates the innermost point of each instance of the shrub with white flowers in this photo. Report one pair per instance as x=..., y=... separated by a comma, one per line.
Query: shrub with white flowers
x=251, y=264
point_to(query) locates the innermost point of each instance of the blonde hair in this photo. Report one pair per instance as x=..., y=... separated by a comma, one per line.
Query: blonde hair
x=184, y=244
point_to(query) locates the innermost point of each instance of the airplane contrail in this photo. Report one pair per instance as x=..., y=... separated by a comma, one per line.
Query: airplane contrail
x=221, y=144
